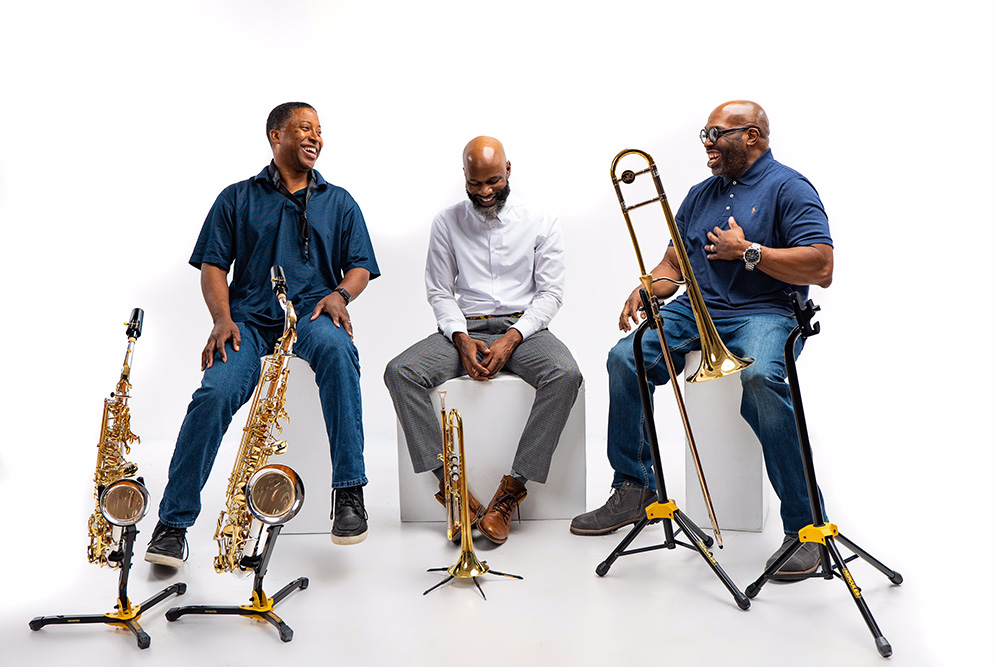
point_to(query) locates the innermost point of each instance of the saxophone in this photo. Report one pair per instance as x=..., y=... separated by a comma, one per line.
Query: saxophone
x=116, y=436
x=235, y=532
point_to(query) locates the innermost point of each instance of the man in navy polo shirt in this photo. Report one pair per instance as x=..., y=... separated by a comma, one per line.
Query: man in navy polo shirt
x=290, y=216
x=754, y=231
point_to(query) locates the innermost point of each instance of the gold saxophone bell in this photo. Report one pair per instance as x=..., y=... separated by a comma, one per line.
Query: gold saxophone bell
x=716, y=359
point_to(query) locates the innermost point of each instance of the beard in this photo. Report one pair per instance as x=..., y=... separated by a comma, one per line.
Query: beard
x=733, y=161
x=495, y=208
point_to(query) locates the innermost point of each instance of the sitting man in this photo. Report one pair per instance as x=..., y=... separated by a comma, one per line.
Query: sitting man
x=494, y=278
x=754, y=231
x=286, y=215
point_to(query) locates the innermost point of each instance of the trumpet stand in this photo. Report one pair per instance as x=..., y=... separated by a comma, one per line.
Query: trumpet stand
x=125, y=615
x=825, y=534
x=260, y=606
x=664, y=509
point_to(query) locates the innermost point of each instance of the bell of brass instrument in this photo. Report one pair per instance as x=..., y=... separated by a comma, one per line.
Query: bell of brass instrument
x=235, y=531
x=114, y=443
x=716, y=360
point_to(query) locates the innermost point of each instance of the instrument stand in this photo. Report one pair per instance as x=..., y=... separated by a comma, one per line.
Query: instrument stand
x=825, y=534
x=665, y=509
x=261, y=606
x=468, y=567
x=125, y=615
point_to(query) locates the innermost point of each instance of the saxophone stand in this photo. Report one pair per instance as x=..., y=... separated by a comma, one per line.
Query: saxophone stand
x=261, y=606
x=824, y=534
x=665, y=509
x=125, y=615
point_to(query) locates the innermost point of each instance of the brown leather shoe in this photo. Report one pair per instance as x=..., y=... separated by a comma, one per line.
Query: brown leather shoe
x=495, y=524
x=476, y=508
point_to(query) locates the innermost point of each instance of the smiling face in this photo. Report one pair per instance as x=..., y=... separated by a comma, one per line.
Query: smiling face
x=297, y=143
x=728, y=155
x=733, y=152
x=486, y=174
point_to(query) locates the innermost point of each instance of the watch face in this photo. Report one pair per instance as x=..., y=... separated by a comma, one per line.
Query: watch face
x=752, y=255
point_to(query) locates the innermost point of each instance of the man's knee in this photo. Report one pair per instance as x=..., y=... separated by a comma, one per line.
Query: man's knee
x=620, y=358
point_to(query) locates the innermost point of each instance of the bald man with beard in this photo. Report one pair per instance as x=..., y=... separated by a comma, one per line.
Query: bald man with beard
x=754, y=232
x=494, y=278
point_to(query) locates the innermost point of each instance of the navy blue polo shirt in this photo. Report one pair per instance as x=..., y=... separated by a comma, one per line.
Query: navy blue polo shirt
x=776, y=207
x=252, y=227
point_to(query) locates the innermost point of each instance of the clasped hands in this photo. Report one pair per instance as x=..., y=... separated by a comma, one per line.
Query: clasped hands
x=482, y=361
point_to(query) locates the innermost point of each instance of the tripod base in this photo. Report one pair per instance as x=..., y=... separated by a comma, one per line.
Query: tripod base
x=832, y=564
x=668, y=512
x=261, y=607
x=125, y=616
x=464, y=569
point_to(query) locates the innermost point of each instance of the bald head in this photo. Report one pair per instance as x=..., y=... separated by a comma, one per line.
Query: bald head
x=486, y=172
x=745, y=112
x=734, y=151
x=483, y=152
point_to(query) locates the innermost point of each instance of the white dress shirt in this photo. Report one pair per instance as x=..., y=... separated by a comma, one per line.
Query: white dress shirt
x=495, y=266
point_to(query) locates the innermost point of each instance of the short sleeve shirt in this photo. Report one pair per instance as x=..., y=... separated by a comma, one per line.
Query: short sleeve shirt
x=777, y=207
x=252, y=226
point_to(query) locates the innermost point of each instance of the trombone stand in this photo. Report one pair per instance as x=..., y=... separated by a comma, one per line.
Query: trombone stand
x=260, y=605
x=825, y=534
x=665, y=509
x=125, y=615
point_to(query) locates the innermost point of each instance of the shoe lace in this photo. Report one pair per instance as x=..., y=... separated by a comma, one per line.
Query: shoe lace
x=505, y=505
x=356, y=504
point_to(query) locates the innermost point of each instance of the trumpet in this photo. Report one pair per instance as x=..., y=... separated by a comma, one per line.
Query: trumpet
x=454, y=467
x=716, y=360
x=456, y=492
x=456, y=489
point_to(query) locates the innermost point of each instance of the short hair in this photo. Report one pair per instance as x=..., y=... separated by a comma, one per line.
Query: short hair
x=280, y=114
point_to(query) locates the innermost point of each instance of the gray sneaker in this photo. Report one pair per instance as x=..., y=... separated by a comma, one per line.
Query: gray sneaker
x=626, y=505
x=800, y=566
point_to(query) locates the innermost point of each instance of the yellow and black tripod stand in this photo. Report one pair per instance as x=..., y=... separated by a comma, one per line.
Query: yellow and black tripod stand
x=823, y=533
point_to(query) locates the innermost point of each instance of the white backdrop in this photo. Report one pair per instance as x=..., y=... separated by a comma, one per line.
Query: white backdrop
x=124, y=120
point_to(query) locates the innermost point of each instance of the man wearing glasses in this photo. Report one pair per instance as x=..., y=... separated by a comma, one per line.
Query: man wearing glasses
x=754, y=231
x=290, y=216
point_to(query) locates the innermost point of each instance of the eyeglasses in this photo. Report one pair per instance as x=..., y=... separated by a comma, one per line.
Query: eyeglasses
x=713, y=133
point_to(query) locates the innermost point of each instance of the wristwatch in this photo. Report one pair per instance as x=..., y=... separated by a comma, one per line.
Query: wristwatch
x=751, y=256
x=347, y=295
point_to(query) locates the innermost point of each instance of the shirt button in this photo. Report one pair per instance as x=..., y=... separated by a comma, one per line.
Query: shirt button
x=734, y=182
x=495, y=275
x=731, y=196
x=727, y=208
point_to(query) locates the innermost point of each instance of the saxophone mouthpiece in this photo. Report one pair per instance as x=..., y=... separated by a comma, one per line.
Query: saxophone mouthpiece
x=278, y=283
x=134, y=324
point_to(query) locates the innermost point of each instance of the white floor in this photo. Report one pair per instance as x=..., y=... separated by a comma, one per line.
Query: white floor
x=364, y=604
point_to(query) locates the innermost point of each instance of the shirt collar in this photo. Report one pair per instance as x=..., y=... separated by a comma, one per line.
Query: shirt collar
x=265, y=176
x=757, y=169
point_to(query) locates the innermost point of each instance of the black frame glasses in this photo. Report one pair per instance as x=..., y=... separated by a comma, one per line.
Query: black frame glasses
x=713, y=133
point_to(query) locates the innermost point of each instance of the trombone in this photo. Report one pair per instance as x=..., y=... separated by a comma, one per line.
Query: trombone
x=716, y=360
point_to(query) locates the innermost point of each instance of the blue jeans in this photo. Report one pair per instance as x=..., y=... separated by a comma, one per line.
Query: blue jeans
x=225, y=387
x=766, y=404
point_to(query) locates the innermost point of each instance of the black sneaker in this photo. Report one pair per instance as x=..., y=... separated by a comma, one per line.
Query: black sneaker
x=350, y=520
x=627, y=505
x=167, y=546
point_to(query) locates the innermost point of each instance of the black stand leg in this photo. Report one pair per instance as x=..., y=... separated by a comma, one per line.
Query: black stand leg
x=261, y=606
x=821, y=533
x=665, y=509
x=125, y=615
